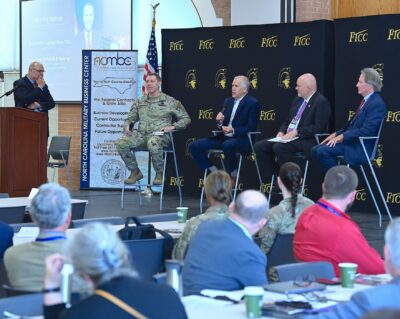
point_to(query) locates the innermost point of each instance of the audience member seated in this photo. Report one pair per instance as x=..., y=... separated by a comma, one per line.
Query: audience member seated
x=6, y=237
x=324, y=232
x=100, y=257
x=282, y=219
x=51, y=211
x=379, y=297
x=218, y=193
x=222, y=254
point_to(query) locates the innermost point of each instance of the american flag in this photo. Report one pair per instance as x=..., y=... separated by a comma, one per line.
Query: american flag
x=151, y=65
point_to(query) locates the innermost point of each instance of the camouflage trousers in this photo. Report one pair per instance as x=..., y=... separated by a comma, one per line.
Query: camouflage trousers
x=154, y=144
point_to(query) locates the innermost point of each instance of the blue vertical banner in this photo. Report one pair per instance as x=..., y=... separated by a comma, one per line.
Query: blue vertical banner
x=109, y=87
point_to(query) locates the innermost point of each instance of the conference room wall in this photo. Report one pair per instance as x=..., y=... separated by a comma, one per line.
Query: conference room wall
x=306, y=10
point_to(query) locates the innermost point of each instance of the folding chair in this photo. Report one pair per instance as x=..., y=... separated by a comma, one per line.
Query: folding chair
x=170, y=149
x=219, y=152
x=58, y=153
x=319, y=269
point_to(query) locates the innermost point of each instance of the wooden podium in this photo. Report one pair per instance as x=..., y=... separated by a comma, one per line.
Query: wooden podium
x=23, y=150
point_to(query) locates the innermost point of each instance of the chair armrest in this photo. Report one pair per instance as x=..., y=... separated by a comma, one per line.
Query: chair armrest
x=318, y=137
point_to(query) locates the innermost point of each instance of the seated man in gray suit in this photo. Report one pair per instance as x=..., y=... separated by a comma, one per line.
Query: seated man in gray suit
x=384, y=296
x=25, y=263
x=222, y=254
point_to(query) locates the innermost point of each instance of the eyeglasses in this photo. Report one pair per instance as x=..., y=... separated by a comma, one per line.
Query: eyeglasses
x=40, y=71
x=303, y=281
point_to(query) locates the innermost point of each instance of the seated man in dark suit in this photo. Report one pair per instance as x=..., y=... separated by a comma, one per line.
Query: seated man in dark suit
x=365, y=122
x=6, y=237
x=379, y=297
x=31, y=91
x=240, y=115
x=308, y=115
x=222, y=254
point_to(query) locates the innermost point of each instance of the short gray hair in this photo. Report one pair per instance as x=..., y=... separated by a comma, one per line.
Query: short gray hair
x=97, y=251
x=392, y=240
x=373, y=78
x=50, y=206
x=251, y=205
x=244, y=81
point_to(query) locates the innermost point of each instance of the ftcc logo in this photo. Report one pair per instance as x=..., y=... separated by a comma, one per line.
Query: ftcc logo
x=220, y=79
x=191, y=79
x=284, y=78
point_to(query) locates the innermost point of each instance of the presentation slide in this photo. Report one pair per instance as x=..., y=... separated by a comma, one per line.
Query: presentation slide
x=55, y=32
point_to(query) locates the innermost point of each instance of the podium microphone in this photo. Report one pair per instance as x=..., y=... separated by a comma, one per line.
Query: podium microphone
x=11, y=91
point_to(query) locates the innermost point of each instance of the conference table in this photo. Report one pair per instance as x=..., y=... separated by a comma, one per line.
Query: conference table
x=27, y=234
x=200, y=307
x=12, y=210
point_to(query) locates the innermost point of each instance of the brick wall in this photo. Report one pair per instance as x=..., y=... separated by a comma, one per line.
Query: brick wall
x=69, y=116
x=70, y=124
x=309, y=10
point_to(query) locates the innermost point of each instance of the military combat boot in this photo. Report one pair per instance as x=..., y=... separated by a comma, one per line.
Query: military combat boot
x=158, y=178
x=136, y=175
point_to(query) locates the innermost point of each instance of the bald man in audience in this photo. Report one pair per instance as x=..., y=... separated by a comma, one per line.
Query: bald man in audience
x=222, y=254
x=324, y=232
x=385, y=296
x=308, y=115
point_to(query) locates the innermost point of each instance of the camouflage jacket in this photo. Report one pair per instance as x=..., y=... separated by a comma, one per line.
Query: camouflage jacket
x=155, y=114
x=280, y=221
x=213, y=212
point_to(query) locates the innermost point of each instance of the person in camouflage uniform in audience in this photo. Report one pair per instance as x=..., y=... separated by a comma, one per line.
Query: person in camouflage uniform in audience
x=218, y=193
x=155, y=113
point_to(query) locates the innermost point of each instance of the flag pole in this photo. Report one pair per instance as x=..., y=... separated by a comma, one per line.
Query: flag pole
x=150, y=67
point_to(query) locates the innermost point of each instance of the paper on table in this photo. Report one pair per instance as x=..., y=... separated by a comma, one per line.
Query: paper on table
x=11, y=315
x=281, y=140
x=28, y=232
x=236, y=295
x=195, y=301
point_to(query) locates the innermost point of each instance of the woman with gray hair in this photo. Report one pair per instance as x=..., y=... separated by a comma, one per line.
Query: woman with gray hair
x=101, y=258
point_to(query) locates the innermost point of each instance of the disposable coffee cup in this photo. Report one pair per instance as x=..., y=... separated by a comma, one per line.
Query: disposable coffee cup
x=347, y=274
x=182, y=214
x=253, y=297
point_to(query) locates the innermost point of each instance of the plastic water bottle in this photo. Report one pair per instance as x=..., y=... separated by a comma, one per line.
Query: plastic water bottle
x=174, y=275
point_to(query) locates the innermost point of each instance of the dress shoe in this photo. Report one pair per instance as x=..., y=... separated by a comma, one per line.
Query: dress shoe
x=158, y=178
x=136, y=175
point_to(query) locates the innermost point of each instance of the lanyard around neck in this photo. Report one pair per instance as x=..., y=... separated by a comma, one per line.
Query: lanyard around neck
x=330, y=209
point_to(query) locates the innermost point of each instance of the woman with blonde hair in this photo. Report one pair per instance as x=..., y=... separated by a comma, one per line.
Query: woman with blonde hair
x=218, y=193
x=101, y=258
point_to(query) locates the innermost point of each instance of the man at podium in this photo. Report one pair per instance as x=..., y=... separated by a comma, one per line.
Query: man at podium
x=31, y=91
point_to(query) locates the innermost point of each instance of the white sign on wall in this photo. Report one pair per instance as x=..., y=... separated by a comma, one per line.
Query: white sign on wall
x=109, y=87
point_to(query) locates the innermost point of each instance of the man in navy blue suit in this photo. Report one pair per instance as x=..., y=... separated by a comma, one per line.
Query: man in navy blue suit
x=365, y=122
x=380, y=297
x=6, y=237
x=240, y=115
x=222, y=254
x=31, y=91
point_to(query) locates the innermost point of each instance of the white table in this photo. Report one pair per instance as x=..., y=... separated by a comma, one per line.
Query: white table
x=13, y=209
x=30, y=233
x=197, y=308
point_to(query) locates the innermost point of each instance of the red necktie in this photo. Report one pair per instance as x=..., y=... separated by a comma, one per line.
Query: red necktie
x=359, y=108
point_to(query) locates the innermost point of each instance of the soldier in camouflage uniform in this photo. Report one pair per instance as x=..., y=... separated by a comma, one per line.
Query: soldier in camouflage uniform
x=154, y=112
x=218, y=193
